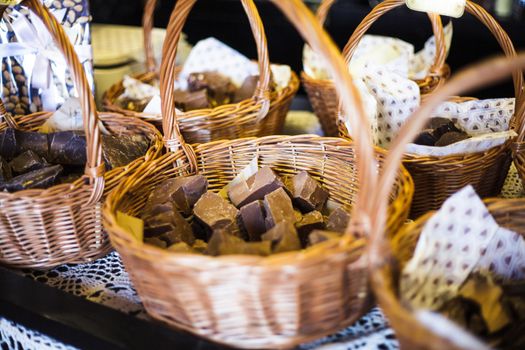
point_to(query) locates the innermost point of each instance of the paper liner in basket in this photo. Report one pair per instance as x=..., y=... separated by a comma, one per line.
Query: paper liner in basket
x=208, y=55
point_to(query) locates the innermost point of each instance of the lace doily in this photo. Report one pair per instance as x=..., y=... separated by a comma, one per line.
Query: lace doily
x=105, y=281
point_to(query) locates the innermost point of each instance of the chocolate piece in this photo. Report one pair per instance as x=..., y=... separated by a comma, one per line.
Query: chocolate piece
x=306, y=192
x=187, y=191
x=251, y=248
x=444, y=128
x=169, y=226
x=216, y=213
x=220, y=89
x=318, y=236
x=425, y=138
x=27, y=161
x=121, y=150
x=8, y=145
x=338, y=220
x=247, y=89
x=311, y=221
x=200, y=246
x=450, y=138
x=180, y=247
x=157, y=208
x=255, y=187
x=69, y=178
x=221, y=242
x=437, y=122
x=132, y=104
x=278, y=208
x=252, y=216
x=5, y=171
x=155, y=241
x=188, y=101
x=283, y=237
x=32, y=141
x=40, y=178
x=67, y=147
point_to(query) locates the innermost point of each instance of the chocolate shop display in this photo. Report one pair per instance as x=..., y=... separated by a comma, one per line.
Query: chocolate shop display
x=262, y=215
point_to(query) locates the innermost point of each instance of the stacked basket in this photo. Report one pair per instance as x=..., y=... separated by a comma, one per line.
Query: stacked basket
x=386, y=260
x=261, y=115
x=322, y=93
x=62, y=224
x=250, y=301
x=438, y=177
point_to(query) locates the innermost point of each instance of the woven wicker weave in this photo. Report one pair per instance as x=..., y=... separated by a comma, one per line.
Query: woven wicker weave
x=250, y=301
x=438, y=177
x=387, y=260
x=322, y=93
x=62, y=224
x=243, y=119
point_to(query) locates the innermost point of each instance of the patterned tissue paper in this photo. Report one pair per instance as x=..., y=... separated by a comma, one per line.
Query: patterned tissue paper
x=34, y=74
x=460, y=239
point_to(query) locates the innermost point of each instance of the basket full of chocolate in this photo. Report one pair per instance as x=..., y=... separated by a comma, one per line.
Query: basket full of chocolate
x=235, y=240
x=52, y=179
x=220, y=93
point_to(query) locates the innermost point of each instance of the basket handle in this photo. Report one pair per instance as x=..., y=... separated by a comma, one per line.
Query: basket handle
x=438, y=69
x=323, y=9
x=476, y=76
x=94, y=170
x=173, y=137
x=147, y=32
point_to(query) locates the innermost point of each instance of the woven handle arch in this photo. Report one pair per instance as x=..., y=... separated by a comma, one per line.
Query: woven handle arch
x=475, y=77
x=147, y=32
x=438, y=68
x=94, y=169
x=173, y=137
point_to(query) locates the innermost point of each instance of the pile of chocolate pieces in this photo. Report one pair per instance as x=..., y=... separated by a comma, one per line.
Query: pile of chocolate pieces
x=440, y=132
x=31, y=160
x=263, y=215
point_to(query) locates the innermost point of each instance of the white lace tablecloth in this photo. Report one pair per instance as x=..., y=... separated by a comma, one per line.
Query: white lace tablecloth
x=105, y=281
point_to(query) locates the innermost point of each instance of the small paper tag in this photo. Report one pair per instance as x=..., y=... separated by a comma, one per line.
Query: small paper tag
x=451, y=8
x=132, y=225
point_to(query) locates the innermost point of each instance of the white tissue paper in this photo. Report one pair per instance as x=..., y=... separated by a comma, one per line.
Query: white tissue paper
x=459, y=239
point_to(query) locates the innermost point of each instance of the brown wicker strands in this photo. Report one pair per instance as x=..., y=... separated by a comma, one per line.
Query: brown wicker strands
x=322, y=94
x=62, y=224
x=518, y=148
x=437, y=177
x=250, y=301
x=387, y=260
x=250, y=117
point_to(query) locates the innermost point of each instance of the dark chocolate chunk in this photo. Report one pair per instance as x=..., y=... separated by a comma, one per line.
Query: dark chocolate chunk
x=256, y=187
x=444, y=128
x=450, y=138
x=318, y=236
x=425, y=138
x=40, y=178
x=247, y=89
x=32, y=141
x=188, y=101
x=27, y=161
x=8, y=145
x=311, y=221
x=67, y=147
x=219, y=88
x=5, y=171
x=306, y=192
x=338, y=220
x=283, y=237
x=252, y=216
x=121, y=150
x=169, y=226
x=187, y=191
x=278, y=208
x=216, y=213
x=437, y=122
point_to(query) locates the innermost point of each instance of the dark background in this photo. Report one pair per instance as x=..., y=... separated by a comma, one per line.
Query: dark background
x=225, y=20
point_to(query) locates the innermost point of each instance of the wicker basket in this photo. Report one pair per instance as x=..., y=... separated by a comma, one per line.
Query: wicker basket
x=387, y=260
x=248, y=301
x=438, y=177
x=244, y=119
x=322, y=93
x=63, y=224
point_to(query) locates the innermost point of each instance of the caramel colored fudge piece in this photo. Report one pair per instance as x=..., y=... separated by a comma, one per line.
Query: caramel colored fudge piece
x=252, y=216
x=169, y=226
x=216, y=213
x=219, y=87
x=318, y=236
x=313, y=220
x=338, y=220
x=278, y=208
x=247, y=89
x=256, y=187
x=283, y=237
x=306, y=192
x=221, y=242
